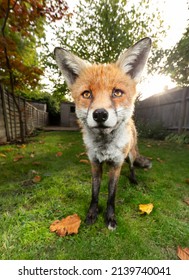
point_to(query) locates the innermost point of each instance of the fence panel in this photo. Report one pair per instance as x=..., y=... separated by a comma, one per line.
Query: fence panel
x=10, y=120
x=171, y=109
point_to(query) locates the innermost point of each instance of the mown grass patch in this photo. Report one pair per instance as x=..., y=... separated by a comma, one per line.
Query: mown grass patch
x=28, y=209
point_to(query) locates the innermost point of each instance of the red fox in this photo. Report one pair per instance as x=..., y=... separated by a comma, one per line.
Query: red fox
x=104, y=95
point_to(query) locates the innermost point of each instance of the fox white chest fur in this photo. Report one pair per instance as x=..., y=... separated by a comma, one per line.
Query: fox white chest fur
x=107, y=147
x=104, y=96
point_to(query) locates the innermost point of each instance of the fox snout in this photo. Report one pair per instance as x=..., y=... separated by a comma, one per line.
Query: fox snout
x=101, y=118
x=100, y=115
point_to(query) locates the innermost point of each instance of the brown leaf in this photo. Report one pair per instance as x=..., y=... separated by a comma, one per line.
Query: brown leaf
x=68, y=225
x=60, y=146
x=36, y=163
x=186, y=200
x=146, y=208
x=17, y=158
x=187, y=181
x=84, y=161
x=183, y=253
x=36, y=179
x=53, y=226
x=150, y=158
x=61, y=230
x=58, y=154
x=81, y=154
x=160, y=160
x=3, y=155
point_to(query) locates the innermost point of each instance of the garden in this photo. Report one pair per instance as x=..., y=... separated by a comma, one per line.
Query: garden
x=49, y=178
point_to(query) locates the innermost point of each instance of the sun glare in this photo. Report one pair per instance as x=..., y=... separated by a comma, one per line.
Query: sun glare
x=154, y=84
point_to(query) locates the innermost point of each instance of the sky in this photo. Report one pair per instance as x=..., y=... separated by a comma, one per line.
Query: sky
x=175, y=14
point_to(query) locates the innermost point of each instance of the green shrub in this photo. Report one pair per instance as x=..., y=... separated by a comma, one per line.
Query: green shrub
x=178, y=138
x=153, y=131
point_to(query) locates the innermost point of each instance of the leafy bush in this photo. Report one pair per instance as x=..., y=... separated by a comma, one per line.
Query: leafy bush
x=154, y=131
x=178, y=138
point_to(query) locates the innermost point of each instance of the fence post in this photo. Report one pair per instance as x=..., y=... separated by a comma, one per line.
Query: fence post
x=182, y=111
x=5, y=113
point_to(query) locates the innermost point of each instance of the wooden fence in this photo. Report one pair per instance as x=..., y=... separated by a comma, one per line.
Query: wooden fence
x=171, y=109
x=9, y=117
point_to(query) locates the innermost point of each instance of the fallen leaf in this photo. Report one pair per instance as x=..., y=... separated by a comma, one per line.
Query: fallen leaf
x=183, y=253
x=3, y=155
x=148, y=145
x=32, y=155
x=81, y=154
x=146, y=208
x=186, y=200
x=60, y=146
x=41, y=142
x=150, y=158
x=66, y=226
x=84, y=161
x=58, y=154
x=17, y=158
x=23, y=146
x=160, y=160
x=36, y=163
x=8, y=150
x=187, y=181
x=36, y=179
x=53, y=226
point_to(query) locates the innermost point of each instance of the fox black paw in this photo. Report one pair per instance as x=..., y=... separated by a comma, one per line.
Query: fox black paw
x=111, y=224
x=133, y=180
x=91, y=217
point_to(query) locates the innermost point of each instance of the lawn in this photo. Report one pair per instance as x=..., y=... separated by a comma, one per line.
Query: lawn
x=29, y=204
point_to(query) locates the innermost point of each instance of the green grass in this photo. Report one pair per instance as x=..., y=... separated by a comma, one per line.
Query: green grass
x=28, y=209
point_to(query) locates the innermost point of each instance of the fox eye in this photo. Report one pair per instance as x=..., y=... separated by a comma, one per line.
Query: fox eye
x=87, y=94
x=117, y=92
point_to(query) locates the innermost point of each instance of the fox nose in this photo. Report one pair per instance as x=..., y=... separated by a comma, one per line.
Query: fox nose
x=100, y=115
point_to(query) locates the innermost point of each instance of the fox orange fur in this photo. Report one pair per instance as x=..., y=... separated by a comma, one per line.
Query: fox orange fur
x=104, y=95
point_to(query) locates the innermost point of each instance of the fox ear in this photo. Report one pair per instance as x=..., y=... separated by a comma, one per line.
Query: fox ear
x=69, y=64
x=133, y=60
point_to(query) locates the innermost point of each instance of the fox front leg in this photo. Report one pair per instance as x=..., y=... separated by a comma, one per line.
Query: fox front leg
x=112, y=186
x=131, y=159
x=96, y=180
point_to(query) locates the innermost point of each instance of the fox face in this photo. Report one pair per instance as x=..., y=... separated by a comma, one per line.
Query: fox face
x=104, y=95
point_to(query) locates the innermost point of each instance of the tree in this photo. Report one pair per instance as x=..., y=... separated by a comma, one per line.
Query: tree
x=102, y=29
x=177, y=63
x=22, y=29
x=21, y=24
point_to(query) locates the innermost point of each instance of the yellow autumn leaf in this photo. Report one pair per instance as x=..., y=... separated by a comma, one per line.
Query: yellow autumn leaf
x=84, y=161
x=146, y=208
x=3, y=155
x=81, y=154
x=23, y=146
